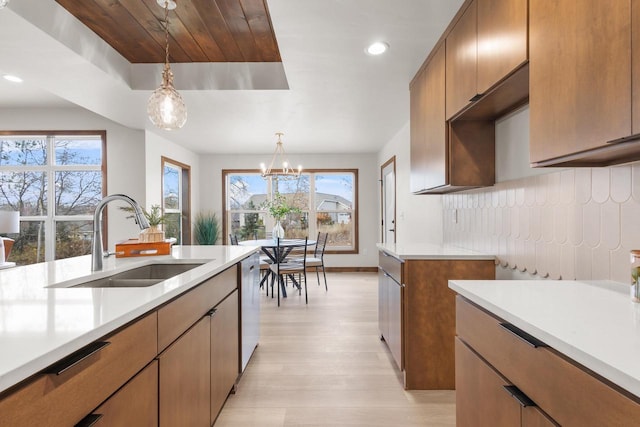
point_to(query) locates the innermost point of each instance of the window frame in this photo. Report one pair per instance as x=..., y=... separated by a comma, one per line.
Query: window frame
x=312, y=208
x=52, y=218
x=185, y=196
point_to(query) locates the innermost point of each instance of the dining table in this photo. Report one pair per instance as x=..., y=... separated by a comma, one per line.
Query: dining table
x=269, y=247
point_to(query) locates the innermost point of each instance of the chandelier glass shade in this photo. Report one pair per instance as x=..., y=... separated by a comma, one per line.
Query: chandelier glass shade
x=279, y=166
x=166, y=108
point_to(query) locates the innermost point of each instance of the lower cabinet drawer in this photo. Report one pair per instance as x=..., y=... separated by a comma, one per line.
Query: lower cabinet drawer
x=570, y=394
x=135, y=404
x=391, y=265
x=66, y=397
x=178, y=315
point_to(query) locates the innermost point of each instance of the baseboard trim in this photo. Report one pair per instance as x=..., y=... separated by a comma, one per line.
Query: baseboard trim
x=352, y=269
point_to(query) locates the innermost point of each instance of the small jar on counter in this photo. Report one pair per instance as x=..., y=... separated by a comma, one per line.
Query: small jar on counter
x=635, y=272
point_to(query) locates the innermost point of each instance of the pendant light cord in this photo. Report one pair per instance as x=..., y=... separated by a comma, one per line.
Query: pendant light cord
x=166, y=31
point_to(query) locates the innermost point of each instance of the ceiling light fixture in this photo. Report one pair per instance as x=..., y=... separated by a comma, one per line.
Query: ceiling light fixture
x=377, y=48
x=172, y=4
x=3, y=3
x=165, y=108
x=12, y=78
x=279, y=158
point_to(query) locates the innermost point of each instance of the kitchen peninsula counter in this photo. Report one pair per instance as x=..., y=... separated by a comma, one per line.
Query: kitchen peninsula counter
x=43, y=318
x=592, y=323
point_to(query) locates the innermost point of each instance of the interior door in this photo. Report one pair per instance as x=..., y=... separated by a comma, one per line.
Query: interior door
x=388, y=180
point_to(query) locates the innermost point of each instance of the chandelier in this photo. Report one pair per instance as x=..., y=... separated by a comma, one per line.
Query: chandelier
x=165, y=107
x=279, y=159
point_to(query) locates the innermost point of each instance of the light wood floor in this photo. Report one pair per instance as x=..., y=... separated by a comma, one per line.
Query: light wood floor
x=323, y=364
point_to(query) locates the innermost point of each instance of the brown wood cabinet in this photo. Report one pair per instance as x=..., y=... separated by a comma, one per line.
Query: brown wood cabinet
x=185, y=378
x=224, y=352
x=486, y=45
x=581, y=83
x=71, y=391
x=474, y=75
x=135, y=404
x=462, y=61
x=428, y=126
x=390, y=292
x=485, y=399
x=567, y=392
x=502, y=40
x=426, y=319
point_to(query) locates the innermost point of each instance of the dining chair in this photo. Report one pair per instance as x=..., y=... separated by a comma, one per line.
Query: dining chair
x=317, y=260
x=233, y=239
x=290, y=263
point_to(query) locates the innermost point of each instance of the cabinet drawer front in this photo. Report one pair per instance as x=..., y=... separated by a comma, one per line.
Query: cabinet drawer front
x=178, y=315
x=391, y=265
x=63, y=400
x=563, y=389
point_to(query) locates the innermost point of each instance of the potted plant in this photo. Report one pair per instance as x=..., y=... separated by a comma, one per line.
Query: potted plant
x=155, y=218
x=206, y=229
x=279, y=208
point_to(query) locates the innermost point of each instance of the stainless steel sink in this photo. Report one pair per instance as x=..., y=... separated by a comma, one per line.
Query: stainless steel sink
x=141, y=277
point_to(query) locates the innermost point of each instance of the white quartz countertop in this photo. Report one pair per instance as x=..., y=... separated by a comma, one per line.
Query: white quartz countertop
x=593, y=323
x=430, y=251
x=39, y=324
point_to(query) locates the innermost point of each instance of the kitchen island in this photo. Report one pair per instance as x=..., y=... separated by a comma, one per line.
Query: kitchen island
x=44, y=318
x=570, y=348
x=416, y=312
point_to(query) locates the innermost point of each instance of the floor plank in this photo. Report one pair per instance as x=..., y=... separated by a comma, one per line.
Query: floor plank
x=323, y=364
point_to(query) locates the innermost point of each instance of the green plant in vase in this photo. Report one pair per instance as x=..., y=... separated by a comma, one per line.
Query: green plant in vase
x=155, y=218
x=279, y=207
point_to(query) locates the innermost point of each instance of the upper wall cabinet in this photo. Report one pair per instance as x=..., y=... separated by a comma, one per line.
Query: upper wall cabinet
x=581, y=75
x=428, y=126
x=488, y=42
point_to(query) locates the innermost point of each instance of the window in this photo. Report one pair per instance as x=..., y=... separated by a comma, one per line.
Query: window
x=55, y=180
x=327, y=199
x=176, y=205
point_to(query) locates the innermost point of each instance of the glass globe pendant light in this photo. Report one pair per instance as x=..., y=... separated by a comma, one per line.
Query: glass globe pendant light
x=165, y=107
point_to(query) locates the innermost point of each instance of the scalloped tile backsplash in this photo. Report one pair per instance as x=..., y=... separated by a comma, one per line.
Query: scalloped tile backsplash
x=571, y=224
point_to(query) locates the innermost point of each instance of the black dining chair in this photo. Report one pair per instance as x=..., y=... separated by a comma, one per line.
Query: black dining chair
x=233, y=239
x=290, y=263
x=317, y=260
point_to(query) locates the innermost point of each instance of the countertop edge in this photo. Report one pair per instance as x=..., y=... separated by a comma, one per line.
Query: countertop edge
x=434, y=252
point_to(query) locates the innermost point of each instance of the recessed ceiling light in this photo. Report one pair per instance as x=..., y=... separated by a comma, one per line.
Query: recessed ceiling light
x=377, y=48
x=11, y=78
x=161, y=3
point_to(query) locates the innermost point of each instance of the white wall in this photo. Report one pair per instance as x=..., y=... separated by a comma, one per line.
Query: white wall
x=419, y=217
x=211, y=167
x=156, y=147
x=125, y=154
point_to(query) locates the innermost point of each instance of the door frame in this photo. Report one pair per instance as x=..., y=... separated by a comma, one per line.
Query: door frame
x=392, y=161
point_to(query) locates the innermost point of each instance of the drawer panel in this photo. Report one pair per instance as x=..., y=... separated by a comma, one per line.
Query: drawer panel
x=178, y=315
x=566, y=391
x=391, y=265
x=63, y=400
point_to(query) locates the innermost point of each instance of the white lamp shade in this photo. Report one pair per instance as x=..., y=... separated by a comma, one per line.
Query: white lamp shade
x=9, y=222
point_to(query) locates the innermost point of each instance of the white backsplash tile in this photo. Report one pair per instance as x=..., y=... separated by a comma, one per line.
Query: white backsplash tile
x=576, y=223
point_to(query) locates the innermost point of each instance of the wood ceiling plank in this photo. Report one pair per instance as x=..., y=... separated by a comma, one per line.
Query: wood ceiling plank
x=179, y=33
x=187, y=12
x=151, y=18
x=259, y=20
x=237, y=23
x=214, y=21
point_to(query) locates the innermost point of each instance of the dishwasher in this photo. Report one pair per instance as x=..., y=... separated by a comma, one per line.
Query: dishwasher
x=249, y=308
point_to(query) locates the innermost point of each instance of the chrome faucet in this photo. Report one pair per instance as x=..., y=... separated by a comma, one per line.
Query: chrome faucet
x=96, y=243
